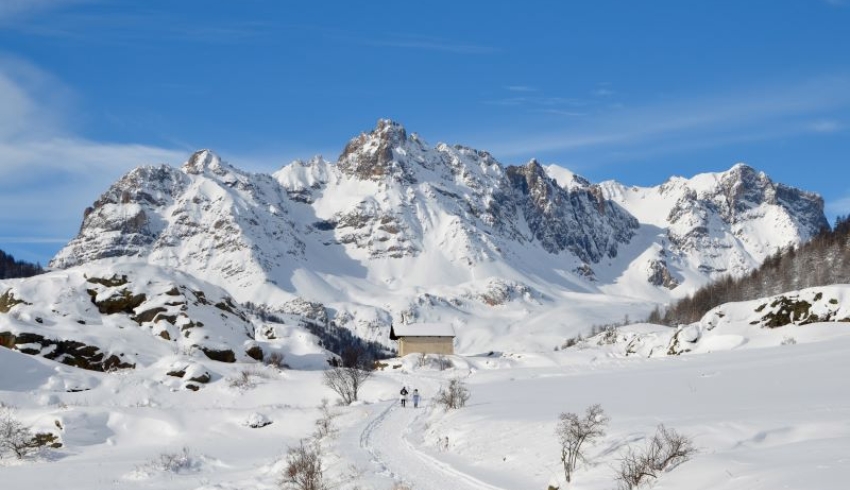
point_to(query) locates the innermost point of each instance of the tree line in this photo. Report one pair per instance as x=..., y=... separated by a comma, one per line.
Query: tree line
x=11, y=268
x=822, y=261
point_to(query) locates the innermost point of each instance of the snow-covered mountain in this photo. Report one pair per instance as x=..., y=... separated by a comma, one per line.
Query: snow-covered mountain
x=716, y=223
x=398, y=230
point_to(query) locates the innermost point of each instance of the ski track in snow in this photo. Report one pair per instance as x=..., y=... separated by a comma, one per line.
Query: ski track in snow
x=386, y=439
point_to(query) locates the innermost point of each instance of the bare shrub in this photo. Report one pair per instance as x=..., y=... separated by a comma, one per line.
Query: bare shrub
x=304, y=468
x=454, y=396
x=346, y=382
x=666, y=450
x=325, y=423
x=276, y=359
x=175, y=462
x=443, y=362
x=609, y=336
x=401, y=486
x=17, y=439
x=574, y=431
x=570, y=342
x=247, y=379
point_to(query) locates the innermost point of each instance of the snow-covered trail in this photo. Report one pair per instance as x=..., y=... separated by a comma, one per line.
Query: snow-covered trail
x=385, y=443
x=388, y=439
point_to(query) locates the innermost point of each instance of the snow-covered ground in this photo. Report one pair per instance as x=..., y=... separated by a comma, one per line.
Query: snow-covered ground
x=763, y=414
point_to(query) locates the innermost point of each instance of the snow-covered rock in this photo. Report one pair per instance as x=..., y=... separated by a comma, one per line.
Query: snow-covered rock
x=113, y=317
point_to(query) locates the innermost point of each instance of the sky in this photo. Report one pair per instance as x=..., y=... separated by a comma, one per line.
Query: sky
x=631, y=91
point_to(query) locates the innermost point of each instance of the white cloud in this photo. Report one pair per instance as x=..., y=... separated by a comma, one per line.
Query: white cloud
x=14, y=10
x=48, y=174
x=760, y=111
x=520, y=88
x=826, y=126
x=432, y=44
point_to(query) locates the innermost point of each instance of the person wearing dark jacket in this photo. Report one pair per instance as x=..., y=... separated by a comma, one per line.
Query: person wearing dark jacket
x=403, y=393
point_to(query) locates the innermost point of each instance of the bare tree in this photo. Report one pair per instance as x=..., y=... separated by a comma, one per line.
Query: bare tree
x=15, y=437
x=304, y=468
x=346, y=382
x=454, y=396
x=664, y=451
x=573, y=431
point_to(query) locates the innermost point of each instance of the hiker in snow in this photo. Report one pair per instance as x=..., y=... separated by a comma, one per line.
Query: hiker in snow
x=415, y=398
x=403, y=396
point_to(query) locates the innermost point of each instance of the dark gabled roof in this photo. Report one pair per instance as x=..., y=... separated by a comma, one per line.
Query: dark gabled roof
x=421, y=330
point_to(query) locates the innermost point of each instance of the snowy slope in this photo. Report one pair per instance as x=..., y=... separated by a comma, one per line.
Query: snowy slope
x=128, y=316
x=761, y=418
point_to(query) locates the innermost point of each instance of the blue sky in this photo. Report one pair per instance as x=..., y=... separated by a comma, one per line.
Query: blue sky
x=632, y=91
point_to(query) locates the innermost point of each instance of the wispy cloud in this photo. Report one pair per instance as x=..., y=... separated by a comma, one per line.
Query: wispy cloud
x=520, y=88
x=15, y=10
x=562, y=112
x=539, y=101
x=675, y=121
x=43, y=160
x=431, y=44
x=826, y=126
x=836, y=3
x=32, y=239
x=105, y=25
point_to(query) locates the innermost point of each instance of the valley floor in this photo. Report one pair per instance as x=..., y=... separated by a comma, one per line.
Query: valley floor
x=761, y=418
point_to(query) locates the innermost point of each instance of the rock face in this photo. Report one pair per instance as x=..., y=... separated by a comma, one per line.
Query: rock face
x=580, y=220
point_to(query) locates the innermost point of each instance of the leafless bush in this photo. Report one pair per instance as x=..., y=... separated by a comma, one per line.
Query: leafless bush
x=666, y=450
x=609, y=336
x=17, y=439
x=574, y=431
x=247, y=379
x=175, y=462
x=401, y=486
x=346, y=382
x=325, y=423
x=443, y=362
x=454, y=396
x=304, y=468
x=276, y=359
x=570, y=342
x=242, y=381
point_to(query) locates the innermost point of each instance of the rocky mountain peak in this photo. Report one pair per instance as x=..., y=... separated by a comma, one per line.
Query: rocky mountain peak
x=531, y=179
x=390, y=130
x=202, y=160
x=373, y=155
